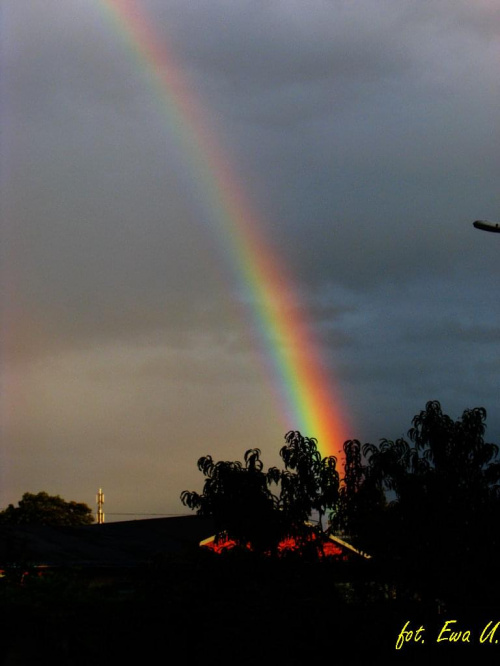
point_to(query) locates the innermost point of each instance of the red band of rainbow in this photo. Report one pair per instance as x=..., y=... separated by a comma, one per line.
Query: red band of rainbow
x=309, y=402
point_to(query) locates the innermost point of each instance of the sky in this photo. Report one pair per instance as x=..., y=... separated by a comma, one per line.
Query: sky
x=365, y=138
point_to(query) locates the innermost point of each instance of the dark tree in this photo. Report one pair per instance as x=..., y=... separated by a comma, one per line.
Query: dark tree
x=309, y=483
x=443, y=486
x=239, y=499
x=361, y=508
x=44, y=509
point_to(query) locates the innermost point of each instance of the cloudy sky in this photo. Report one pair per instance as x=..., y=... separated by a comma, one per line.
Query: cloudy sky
x=365, y=134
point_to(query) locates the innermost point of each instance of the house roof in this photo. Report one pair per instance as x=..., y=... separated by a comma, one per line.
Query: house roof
x=333, y=546
x=125, y=543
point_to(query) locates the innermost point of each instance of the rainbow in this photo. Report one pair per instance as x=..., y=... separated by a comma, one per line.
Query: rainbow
x=308, y=401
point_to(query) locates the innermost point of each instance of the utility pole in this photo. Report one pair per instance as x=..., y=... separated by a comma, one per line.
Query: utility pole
x=100, y=512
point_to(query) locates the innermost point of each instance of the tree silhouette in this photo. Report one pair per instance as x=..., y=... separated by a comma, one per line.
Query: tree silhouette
x=449, y=464
x=239, y=499
x=425, y=506
x=360, y=511
x=442, y=484
x=309, y=483
x=44, y=509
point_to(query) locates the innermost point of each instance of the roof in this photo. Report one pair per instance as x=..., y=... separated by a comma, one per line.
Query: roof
x=125, y=543
x=332, y=546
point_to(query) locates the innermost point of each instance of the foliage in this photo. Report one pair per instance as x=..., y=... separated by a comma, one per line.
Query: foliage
x=449, y=463
x=442, y=483
x=361, y=507
x=44, y=509
x=425, y=506
x=309, y=483
x=239, y=499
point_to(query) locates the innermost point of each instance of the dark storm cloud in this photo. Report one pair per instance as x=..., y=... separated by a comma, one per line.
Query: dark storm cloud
x=365, y=135
x=289, y=46
x=394, y=159
x=370, y=133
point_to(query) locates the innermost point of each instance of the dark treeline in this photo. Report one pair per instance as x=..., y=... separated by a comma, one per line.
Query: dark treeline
x=44, y=509
x=426, y=507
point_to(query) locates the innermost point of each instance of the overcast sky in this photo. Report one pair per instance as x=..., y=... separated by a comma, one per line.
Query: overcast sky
x=365, y=133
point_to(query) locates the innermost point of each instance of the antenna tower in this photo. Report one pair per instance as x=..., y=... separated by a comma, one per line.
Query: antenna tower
x=100, y=512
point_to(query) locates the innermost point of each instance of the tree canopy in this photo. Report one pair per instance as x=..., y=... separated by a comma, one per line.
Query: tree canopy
x=426, y=505
x=239, y=497
x=44, y=509
x=429, y=503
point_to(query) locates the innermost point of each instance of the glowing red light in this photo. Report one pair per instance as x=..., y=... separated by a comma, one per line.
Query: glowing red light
x=326, y=548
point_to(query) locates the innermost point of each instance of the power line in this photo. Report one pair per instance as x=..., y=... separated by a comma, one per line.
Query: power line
x=100, y=512
x=148, y=514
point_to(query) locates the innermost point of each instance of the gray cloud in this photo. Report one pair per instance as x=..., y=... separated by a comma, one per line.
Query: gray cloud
x=365, y=135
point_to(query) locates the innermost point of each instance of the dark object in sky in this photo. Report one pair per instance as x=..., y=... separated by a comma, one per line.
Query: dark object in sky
x=487, y=226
